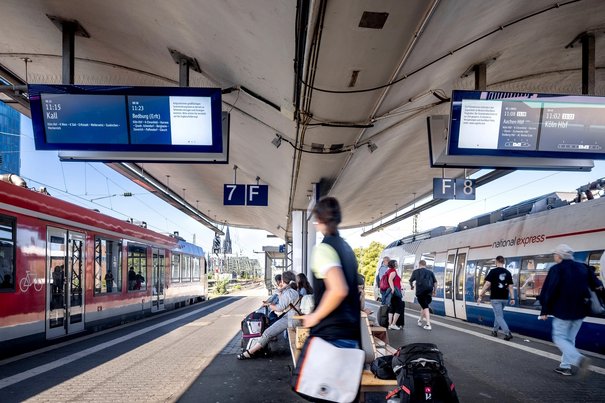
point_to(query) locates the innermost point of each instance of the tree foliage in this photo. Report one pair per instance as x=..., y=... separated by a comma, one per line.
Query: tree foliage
x=367, y=259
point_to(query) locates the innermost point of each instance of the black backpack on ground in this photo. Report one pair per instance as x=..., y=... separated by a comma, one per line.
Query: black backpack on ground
x=421, y=375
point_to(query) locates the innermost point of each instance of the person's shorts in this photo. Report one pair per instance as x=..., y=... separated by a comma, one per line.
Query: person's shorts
x=424, y=300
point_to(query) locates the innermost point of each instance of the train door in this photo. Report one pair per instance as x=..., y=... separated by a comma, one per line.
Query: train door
x=448, y=284
x=455, y=276
x=158, y=275
x=65, y=287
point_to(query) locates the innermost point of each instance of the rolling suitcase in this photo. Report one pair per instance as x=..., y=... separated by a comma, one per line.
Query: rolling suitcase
x=383, y=316
x=253, y=327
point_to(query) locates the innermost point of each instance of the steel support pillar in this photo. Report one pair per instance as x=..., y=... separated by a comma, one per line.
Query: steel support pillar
x=185, y=63
x=588, y=64
x=70, y=29
x=480, y=76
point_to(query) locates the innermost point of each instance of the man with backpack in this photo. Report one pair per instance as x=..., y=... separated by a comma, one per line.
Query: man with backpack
x=426, y=287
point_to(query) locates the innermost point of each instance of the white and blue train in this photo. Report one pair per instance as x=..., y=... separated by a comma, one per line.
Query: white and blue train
x=525, y=234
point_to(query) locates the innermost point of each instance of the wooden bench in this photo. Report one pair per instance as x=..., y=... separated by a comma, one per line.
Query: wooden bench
x=369, y=383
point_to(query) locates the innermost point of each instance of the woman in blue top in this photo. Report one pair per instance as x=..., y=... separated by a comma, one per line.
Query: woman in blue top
x=336, y=317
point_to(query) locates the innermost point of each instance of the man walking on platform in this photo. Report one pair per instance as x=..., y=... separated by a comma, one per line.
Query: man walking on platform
x=565, y=296
x=500, y=282
x=426, y=284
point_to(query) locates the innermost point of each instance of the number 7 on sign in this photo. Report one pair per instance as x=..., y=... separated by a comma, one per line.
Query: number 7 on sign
x=234, y=195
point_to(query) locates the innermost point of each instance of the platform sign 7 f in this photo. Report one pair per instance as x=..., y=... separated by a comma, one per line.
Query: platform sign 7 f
x=246, y=195
x=453, y=189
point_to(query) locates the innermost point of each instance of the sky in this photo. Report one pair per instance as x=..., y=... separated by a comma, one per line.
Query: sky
x=95, y=185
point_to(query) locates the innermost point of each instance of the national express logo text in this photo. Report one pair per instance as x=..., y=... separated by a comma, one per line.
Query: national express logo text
x=518, y=241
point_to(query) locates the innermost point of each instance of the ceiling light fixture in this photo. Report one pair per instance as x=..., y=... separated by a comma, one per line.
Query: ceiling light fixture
x=372, y=147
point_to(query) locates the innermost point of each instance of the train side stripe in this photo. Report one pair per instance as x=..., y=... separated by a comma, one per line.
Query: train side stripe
x=589, y=231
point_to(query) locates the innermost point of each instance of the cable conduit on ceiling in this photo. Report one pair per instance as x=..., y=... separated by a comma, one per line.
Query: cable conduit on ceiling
x=310, y=73
x=450, y=53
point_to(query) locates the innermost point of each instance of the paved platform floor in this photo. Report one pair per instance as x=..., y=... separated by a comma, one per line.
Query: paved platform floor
x=188, y=355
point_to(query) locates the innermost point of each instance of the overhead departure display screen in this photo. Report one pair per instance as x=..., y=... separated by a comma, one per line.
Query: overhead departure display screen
x=128, y=119
x=527, y=124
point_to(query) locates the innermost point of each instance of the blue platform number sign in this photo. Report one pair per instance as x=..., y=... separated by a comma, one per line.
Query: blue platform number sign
x=234, y=195
x=453, y=189
x=246, y=195
x=257, y=195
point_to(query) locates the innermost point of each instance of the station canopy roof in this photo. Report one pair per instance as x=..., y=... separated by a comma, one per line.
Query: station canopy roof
x=368, y=148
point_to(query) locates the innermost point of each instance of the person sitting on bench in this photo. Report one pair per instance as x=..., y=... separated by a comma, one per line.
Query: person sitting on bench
x=287, y=298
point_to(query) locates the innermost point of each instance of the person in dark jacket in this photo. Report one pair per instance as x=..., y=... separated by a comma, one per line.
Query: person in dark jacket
x=565, y=296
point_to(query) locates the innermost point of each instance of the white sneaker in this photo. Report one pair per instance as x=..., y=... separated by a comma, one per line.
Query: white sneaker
x=394, y=327
x=427, y=327
x=420, y=322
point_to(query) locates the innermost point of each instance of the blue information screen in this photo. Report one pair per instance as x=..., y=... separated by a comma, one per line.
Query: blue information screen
x=527, y=125
x=103, y=121
x=101, y=118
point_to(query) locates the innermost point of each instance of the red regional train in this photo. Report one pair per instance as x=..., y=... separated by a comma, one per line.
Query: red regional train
x=66, y=269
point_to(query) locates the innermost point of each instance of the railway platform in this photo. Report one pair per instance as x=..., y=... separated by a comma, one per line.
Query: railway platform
x=188, y=355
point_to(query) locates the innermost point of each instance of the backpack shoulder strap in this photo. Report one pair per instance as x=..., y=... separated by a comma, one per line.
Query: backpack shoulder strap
x=452, y=395
x=406, y=387
x=291, y=306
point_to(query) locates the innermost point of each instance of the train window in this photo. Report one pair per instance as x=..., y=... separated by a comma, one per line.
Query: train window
x=407, y=267
x=461, y=263
x=531, y=278
x=195, y=272
x=176, y=268
x=137, y=267
x=429, y=258
x=108, y=266
x=7, y=253
x=186, y=268
x=449, y=276
x=481, y=269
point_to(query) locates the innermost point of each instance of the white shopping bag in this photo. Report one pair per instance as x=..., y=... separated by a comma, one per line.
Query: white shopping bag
x=327, y=372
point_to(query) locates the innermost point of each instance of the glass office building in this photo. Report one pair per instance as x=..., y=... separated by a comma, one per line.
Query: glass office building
x=10, y=123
